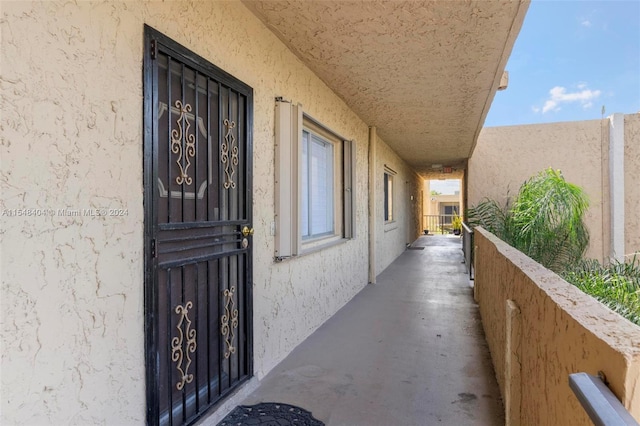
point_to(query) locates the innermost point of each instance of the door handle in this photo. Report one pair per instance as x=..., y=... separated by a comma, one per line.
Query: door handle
x=246, y=231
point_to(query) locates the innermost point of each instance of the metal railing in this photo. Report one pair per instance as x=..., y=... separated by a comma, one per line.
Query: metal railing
x=437, y=223
x=467, y=249
x=602, y=406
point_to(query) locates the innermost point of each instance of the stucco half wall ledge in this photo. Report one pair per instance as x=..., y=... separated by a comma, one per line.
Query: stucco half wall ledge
x=563, y=331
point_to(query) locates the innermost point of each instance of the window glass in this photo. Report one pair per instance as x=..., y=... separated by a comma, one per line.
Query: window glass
x=449, y=211
x=317, y=206
x=388, y=197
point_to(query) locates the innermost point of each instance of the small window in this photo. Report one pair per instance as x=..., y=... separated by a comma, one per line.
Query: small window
x=388, y=194
x=318, y=189
x=449, y=211
x=315, y=194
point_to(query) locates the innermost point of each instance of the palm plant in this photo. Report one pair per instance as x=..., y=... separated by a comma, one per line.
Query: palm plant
x=544, y=221
x=493, y=217
x=546, y=218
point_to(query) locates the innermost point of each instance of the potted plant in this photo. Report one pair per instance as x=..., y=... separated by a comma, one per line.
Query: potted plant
x=456, y=224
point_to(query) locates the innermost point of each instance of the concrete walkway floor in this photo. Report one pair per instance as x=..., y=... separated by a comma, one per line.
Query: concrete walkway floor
x=408, y=350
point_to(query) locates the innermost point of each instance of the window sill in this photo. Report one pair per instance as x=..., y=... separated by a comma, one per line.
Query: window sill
x=390, y=226
x=316, y=248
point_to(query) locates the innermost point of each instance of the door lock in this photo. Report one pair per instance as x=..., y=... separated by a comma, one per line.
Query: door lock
x=246, y=231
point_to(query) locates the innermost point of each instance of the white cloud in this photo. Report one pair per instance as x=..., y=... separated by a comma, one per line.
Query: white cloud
x=588, y=20
x=559, y=95
x=550, y=106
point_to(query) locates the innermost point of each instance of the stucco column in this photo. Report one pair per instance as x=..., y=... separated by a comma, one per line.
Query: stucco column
x=464, y=192
x=372, y=204
x=616, y=185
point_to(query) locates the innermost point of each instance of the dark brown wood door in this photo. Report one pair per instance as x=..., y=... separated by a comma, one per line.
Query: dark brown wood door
x=198, y=231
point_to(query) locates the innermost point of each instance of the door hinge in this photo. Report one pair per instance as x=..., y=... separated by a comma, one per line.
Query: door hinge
x=154, y=49
x=154, y=252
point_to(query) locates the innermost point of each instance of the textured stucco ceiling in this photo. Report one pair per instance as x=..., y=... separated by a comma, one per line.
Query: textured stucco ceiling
x=423, y=72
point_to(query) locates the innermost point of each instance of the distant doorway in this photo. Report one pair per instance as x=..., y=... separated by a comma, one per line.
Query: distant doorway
x=442, y=205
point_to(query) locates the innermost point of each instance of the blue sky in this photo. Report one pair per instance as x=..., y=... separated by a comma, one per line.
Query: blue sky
x=571, y=58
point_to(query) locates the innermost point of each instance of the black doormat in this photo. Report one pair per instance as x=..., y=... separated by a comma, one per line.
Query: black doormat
x=415, y=248
x=269, y=414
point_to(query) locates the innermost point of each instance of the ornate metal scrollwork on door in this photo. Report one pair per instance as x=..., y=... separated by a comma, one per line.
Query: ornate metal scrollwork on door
x=178, y=355
x=183, y=144
x=229, y=322
x=230, y=164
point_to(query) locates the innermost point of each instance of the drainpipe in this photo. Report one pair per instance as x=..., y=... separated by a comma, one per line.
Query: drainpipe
x=616, y=185
x=372, y=204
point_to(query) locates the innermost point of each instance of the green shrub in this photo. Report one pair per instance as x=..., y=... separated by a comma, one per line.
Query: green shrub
x=616, y=285
x=545, y=221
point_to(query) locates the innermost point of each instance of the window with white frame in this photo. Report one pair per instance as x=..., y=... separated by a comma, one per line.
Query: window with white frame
x=314, y=184
x=317, y=186
x=388, y=194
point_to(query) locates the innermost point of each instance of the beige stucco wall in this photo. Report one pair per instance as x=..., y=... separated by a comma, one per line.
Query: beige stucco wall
x=505, y=157
x=563, y=331
x=632, y=183
x=393, y=237
x=434, y=202
x=72, y=287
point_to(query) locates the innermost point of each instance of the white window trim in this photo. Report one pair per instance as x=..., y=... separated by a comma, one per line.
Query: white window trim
x=336, y=143
x=392, y=173
x=289, y=124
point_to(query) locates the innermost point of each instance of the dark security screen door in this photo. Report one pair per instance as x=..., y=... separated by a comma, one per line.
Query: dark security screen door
x=198, y=232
